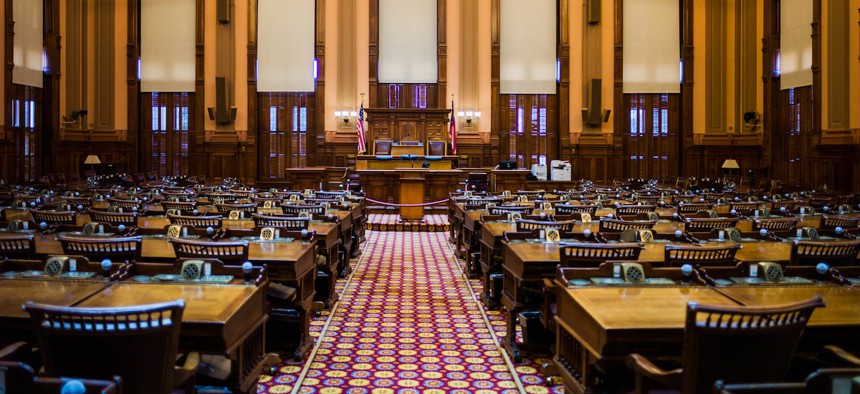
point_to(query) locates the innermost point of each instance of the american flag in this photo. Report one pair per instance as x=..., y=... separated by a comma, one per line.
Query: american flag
x=452, y=130
x=359, y=129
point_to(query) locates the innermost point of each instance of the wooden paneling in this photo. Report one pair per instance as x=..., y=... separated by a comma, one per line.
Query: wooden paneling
x=397, y=124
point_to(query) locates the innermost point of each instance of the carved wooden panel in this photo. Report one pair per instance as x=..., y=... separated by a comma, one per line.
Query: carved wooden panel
x=400, y=124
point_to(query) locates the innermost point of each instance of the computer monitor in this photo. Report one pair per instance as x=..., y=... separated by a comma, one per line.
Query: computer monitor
x=507, y=165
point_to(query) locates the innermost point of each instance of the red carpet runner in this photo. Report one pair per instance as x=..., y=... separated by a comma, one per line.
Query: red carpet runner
x=406, y=323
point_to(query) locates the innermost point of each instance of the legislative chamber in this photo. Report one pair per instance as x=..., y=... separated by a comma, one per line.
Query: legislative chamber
x=404, y=196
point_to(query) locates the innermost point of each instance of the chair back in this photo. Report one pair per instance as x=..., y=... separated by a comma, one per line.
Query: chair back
x=231, y=253
x=138, y=343
x=280, y=221
x=633, y=209
x=381, y=147
x=831, y=222
x=741, y=344
x=128, y=219
x=196, y=221
x=19, y=246
x=567, y=209
x=781, y=224
x=99, y=248
x=53, y=217
x=693, y=207
x=227, y=208
x=582, y=254
x=306, y=208
x=180, y=205
x=127, y=205
x=699, y=225
x=834, y=253
x=528, y=225
x=696, y=254
x=504, y=210
x=746, y=208
x=436, y=148
x=616, y=226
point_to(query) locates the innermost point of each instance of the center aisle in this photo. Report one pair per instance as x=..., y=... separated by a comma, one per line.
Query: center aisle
x=406, y=322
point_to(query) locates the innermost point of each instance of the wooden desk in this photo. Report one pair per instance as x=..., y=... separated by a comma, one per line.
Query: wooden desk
x=836, y=324
x=400, y=150
x=383, y=185
x=15, y=322
x=412, y=192
x=374, y=163
x=223, y=320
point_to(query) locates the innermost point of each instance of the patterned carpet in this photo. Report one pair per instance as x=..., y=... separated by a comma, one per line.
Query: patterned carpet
x=406, y=322
x=391, y=222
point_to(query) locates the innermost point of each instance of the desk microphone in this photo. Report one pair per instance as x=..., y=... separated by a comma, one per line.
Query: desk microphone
x=822, y=269
x=679, y=235
x=73, y=386
x=246, y=268
x=305, y=235
x=687, y=270
x=587, y=233
x=106, y=264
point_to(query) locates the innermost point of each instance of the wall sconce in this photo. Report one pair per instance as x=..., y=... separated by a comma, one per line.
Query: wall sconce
x=346, y=117
x=468, y=116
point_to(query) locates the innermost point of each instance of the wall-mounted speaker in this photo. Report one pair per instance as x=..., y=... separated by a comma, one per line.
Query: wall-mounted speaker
x=594, y=106
x=606, y=113
x=223, y=11
x=593, y=12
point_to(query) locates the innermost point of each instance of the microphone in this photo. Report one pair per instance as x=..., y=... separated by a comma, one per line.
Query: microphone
x=246, y=268
x=73, y=386
x=687, y=270
x=822, y=269
x=106, y=264
x=43, y=225
x=305, y=235
x=587, y=233
x=679, y=235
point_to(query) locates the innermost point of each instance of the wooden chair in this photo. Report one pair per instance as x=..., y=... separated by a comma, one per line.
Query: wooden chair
x=306, y=208
x=528, y=225
x=834, y=253
x=567, y=209
x=745, y=208
x=231, y=253
x=139, y=343
x=633, y=209
x=830, y=222
x=227, y=208
x=694, y=207
x=699, y=225
x=183, y=206
x=594, y=254
x=696, y=254
x=504, y=210
x=128, y=205
x=18, y=246
x=196, y=221
x=779, y=225
x=129, y=219
x=382, y=147
x=436, y=148
x=280, y=221
x=21, y=378
x=738, y=344
x=54, y=217
x=97, y=249
x=617, y=226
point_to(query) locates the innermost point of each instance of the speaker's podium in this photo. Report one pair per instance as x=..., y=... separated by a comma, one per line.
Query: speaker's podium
x=412, y=192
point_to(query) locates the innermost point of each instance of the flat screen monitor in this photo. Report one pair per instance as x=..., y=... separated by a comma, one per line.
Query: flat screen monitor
x=507, y=165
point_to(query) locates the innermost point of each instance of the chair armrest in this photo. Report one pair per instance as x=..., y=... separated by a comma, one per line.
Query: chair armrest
x=183, y=375
x=835, y=355
x=14, y=351
x=642, y=367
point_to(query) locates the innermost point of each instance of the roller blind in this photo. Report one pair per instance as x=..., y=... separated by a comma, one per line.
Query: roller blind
x=28, y=44
x=652, y=46
x=528, y=47
x=795, y=43
x=407, y=41
x=167, y=45
x=285, y=45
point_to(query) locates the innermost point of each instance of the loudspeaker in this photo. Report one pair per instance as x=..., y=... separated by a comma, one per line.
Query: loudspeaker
x=606, y=113
x=222, y=113
x=223, y=11
x=594, y=115
x=593, y=12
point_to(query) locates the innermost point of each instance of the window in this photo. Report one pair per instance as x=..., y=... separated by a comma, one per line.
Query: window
x=168, y=131
x=284, y=138
x=651, y=142
x=26, y=128
x=529, y=129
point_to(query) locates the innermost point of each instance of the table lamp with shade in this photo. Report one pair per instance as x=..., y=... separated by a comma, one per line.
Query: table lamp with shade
x=92, y=161
x=729, y=166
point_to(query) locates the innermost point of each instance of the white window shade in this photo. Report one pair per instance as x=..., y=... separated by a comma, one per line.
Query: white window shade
x=652, y=46
x=285, y=45
x=28, y=44
x=795, y=41
x=407, y=41
x=167, y=45
x=528, y=47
